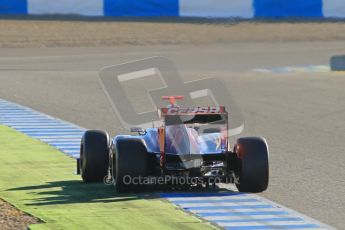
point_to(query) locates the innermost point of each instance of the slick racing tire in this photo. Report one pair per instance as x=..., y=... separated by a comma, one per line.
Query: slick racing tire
x=94, y=156
x=130, y=165
x=253, y=173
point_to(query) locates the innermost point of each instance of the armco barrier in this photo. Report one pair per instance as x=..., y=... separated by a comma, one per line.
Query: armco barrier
x=290, y=8
x=179, y=8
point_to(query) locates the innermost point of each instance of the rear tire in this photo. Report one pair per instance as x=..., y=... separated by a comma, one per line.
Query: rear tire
x=253, y=174
x=130, y=162
x=94, y=155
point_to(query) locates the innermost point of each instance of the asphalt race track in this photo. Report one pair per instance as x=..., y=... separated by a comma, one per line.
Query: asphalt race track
x=300, y=113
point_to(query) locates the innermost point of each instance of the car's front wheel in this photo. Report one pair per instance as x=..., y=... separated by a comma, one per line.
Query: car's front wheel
x=94, y=155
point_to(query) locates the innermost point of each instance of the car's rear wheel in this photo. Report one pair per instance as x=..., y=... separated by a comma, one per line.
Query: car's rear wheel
x=253, y=170
x=94, y=155
x=130, y=165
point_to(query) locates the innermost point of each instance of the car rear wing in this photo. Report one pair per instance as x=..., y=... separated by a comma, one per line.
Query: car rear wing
x=202, y=110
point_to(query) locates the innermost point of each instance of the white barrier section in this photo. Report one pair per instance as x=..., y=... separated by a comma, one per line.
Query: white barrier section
x=217, y=8
x=334, y=8
x=80, y=7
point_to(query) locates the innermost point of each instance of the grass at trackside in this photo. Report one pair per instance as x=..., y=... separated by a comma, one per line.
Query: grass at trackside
x=38, y=179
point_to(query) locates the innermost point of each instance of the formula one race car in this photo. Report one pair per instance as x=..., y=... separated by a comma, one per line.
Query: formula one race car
x=189, y=146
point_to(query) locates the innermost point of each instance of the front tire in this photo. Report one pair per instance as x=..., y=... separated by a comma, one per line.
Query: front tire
x=130, y=164
x=253, y=174
x=94, y=155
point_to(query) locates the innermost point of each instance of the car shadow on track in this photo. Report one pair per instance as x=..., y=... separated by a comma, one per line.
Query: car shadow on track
x=75, y=191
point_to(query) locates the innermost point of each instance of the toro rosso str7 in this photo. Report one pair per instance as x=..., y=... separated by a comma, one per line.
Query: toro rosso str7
x=189, y=142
